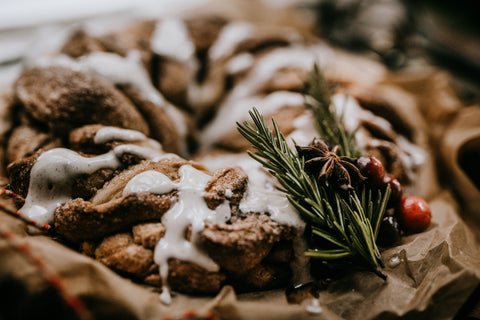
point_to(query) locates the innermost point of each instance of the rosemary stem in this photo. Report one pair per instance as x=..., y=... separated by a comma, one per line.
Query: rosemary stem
x=344, y=221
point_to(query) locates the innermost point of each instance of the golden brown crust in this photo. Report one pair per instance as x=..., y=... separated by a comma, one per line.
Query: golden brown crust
x=121, y=231
x=288, y=79
x=264, y=277
x=224, y=181
x=161, y=125
x=25, y=140
x=64, y=99
x=173, y=79
x=79, y=220
x=112, y=244
x=6, y=123
x=19, y=173
x=80, y=43
x=240, y=246
x=148, y=234
x=204, y=30
x=82, y=139
x=87, y=248
x=86, y=186
x=188, y=277
x=122, y=255
x=135, y=37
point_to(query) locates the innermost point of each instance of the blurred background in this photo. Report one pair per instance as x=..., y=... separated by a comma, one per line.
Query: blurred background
x=400, y=33
x=32, y=27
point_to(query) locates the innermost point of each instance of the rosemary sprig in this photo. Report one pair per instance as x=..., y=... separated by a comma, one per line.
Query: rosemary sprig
x=328, y=122
x=349, y=223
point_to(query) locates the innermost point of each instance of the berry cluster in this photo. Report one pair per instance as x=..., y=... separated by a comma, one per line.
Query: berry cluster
x=405, y=214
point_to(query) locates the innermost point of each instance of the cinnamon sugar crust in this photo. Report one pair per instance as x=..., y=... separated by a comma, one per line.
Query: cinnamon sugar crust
x=135, y=37
x=227, y=183
x=79, y=220
x=161, y=125
x=19, y=173
x=204, y=31
x=240, y=246
x=121, y=254
x=148, y=234
x=25, y=140
x=81, y=43
x=64, y=99
x=190, y=278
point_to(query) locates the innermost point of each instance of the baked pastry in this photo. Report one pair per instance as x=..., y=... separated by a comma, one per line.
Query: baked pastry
x=155, y=216
x=105, y=129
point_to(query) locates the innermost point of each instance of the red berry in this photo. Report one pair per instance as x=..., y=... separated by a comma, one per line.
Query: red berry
x=397, y=191
x=414, y=214
x=372, y=169
x=389, y=232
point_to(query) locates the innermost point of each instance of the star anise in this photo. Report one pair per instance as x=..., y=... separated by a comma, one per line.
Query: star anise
x=327, y=165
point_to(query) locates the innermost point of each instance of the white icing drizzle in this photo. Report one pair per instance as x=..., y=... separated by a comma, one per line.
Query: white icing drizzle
x=51, y=179
x=394, y=261
x=149, y=181
x=230, y=36
x=121, y=70
x=313, y=306
x=237, y=110
x=51, y=176
x=261, y=194
x=228, y=193
x=304, y=131
x=165, y=297
x=203, y=94
x=57, y=61
x=130, y=71
x=171, y=39
x=348, y=106
x=106, y=134
x=240, y=63
x=245, y=94
x=142, y=152
x=190, y=210
x=294, y=57
x=354, y=114
x=416, y=156
x=171, y=156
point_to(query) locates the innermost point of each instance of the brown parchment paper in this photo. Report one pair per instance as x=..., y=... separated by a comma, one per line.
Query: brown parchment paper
x=430, y=275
